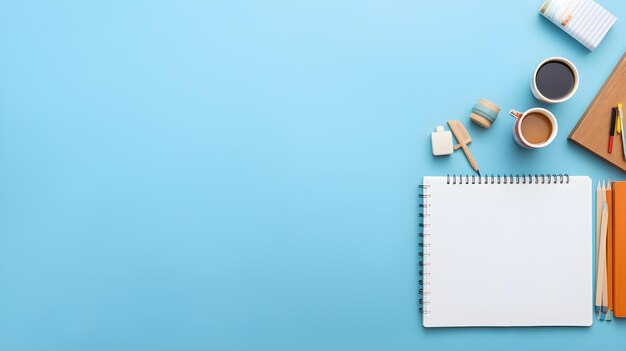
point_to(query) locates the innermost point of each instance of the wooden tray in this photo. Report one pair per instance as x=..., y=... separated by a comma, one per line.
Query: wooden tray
x=592, y=130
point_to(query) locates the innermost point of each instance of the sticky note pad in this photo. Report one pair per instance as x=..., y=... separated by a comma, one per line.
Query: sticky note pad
x=585, y=20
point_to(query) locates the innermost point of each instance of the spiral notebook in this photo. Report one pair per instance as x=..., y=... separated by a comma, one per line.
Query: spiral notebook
x=513, y=250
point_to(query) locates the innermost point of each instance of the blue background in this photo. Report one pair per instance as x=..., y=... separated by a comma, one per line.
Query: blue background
x=233, y=175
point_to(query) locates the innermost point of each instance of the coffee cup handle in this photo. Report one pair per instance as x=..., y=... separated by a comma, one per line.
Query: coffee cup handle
x=516, y=114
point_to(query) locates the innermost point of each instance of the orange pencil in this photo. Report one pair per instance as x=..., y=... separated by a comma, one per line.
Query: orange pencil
x=609, y=251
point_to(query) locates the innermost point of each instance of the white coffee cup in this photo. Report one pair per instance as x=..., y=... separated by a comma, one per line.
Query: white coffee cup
x=537, y=93
x=518, y=133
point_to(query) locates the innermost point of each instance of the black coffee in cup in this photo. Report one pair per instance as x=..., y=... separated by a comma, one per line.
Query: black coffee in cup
x=555, y=80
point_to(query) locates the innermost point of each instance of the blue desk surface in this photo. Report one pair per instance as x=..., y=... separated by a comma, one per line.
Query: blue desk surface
x=192, y=175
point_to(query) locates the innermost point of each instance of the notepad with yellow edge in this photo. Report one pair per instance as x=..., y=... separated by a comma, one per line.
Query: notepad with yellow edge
x=609, y=247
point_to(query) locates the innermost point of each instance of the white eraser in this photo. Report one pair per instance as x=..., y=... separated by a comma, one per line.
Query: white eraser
x=442, y=142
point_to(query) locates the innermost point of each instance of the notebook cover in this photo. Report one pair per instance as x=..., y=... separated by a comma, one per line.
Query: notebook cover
x=592, y=130
x=619, y=249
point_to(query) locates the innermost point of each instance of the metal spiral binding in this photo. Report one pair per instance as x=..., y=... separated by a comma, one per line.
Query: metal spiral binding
x=424, y=246
x=459, y=179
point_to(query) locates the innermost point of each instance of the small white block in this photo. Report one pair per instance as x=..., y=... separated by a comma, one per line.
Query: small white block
x=442, y=142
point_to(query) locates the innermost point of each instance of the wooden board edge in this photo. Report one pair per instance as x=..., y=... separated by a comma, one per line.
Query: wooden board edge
x=623, y=169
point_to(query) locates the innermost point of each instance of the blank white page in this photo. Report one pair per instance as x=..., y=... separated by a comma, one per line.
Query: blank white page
x=508, y=254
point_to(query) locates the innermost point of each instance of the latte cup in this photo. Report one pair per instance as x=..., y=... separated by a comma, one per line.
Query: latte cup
x=534, y=129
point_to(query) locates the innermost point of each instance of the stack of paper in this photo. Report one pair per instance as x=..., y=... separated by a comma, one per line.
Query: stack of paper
x=585, y=20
